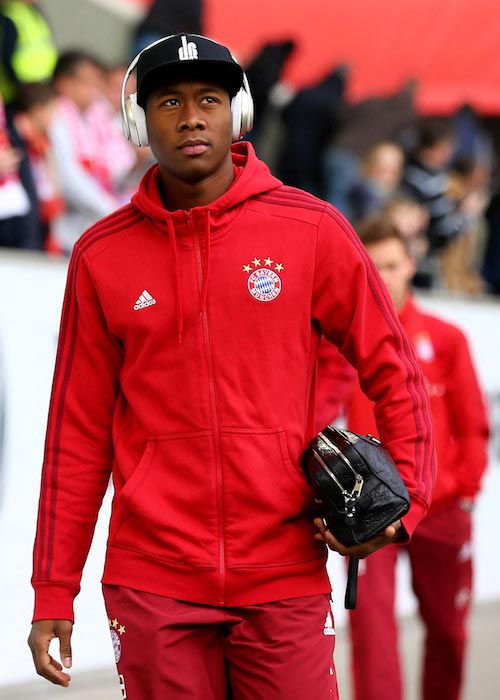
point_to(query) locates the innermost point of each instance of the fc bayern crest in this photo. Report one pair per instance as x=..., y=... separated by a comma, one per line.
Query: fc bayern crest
x=117, y=631
x=117, y=645
x=424, y=347
x=264, y=284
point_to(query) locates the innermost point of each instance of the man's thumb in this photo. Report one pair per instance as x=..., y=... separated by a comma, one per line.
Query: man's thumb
x=63, y=631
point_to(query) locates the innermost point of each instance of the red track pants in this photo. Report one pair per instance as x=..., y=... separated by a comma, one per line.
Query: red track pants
x=441, y=565
x=171, y=650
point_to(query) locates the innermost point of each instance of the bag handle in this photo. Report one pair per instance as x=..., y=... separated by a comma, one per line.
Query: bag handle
x=352, y=584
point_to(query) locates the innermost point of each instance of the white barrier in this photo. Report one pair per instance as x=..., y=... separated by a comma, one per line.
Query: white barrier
x=31, y=289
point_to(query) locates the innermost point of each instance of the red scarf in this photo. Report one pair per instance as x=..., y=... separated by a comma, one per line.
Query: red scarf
x=89, y=138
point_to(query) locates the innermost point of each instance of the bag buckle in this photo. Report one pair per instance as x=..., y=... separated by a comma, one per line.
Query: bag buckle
x=350, y=497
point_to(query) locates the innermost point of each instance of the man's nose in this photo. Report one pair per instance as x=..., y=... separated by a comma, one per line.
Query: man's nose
x=191, y=118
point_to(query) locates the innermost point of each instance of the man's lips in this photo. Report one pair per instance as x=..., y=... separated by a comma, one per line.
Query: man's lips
x=193, y=148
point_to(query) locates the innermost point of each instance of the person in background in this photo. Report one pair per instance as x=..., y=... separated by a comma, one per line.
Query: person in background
x=186, y=367
x=440, y=550
x=411, y=219
x=166, y=17
x=308, y=120
x=336, y=381
x=380, y=173
x=82, y=143
x=490, y=266
x=460, y=268
x=129, y=162
x=14, y=201
x=9, y=156
x=360, y=126
x=27, y=50
x=19, y=219
x=33, y=113
x=427, y=179
x=264, y=72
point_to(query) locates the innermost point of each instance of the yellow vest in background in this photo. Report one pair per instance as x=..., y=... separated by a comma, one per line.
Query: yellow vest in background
x=35, y=55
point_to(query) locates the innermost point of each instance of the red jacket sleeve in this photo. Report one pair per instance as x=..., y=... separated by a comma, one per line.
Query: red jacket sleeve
x=72, y=489
x=468, y=416
x=354, y=311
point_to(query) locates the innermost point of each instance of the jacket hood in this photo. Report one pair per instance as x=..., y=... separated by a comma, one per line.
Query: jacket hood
x=252, y=178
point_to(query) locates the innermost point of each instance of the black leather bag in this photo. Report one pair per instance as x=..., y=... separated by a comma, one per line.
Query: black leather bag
x=358, y=489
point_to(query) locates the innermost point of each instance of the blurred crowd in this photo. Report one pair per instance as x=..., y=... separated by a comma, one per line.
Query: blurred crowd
x=434, y=177
x=60, y=136
x=64, y=162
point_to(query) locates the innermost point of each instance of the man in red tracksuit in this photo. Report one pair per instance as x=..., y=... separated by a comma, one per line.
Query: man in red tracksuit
x=440, y=549
x=186, y=371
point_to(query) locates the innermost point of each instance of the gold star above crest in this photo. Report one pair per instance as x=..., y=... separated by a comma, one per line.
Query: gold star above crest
x=247, y=268
x=279, y=267
x=256, y=262
x=121, y=629
x=113, y=623
x=268, y=262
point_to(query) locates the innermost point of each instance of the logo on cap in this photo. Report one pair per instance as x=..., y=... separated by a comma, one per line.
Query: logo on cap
x=188, y=51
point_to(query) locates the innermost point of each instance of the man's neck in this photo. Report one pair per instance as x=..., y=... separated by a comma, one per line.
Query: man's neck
x=401, y=303
x=178, y=194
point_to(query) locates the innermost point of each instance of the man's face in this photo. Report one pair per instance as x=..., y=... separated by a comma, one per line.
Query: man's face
x=386, y=166
x=439, y=155
x=395, y=266
x=189, y=127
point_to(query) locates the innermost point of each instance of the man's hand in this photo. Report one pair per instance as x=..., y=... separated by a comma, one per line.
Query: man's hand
x=41, y=635
x=392, y=533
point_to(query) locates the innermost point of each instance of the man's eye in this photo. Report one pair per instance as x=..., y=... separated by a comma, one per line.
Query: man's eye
x=210, y=99
x=170, y=102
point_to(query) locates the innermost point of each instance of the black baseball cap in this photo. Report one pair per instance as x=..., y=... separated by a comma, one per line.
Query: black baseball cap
x=186, y=55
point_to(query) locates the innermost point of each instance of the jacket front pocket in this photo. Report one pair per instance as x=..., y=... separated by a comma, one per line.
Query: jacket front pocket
x=267, y=501
x=167, y=507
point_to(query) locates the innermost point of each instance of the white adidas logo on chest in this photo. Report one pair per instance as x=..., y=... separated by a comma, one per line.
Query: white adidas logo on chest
x=145, y=299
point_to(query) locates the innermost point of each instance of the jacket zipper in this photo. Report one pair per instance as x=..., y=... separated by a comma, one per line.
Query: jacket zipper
x=214, y=414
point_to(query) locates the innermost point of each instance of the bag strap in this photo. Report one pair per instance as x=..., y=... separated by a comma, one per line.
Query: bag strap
x=352, y=584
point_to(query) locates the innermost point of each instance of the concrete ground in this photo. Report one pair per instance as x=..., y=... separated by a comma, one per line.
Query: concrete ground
x=483, y=669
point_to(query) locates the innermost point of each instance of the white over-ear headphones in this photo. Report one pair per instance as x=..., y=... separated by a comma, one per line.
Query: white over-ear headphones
x=133, y=116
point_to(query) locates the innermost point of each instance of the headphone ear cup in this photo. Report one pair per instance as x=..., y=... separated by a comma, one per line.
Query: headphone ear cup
x=246, y=112
x=236, y=115
x=134, y=122
x=124, y=121
x=242, y=111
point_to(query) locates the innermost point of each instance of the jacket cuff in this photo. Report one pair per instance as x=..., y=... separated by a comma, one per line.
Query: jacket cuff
x=53, y=602
x=417, y=511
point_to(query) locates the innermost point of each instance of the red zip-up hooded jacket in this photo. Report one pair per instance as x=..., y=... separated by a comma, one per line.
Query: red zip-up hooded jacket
x=186, y=367
x=460, y=420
